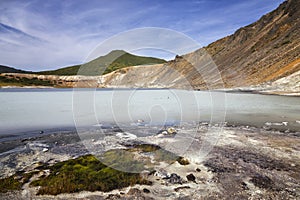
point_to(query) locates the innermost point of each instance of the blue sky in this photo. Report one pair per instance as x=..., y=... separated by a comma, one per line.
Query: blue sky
x=41, y=34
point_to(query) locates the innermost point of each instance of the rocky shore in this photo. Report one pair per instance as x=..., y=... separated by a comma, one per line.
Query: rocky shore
x=244, y=163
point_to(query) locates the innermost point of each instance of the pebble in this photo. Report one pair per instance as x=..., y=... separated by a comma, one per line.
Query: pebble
x=191, y=177
x=145, y=190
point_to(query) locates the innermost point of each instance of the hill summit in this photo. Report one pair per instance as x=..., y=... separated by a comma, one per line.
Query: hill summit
x=116, y=59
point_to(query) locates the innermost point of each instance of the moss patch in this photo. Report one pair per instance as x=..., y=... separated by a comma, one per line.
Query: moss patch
x=139, y=157
x=10, y=183
x=85, y=173
x=160, y=154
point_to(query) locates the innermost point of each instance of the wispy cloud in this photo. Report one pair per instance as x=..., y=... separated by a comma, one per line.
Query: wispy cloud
x=59, y=33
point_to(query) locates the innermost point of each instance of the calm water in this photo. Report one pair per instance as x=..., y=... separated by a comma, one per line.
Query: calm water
x=24, y=110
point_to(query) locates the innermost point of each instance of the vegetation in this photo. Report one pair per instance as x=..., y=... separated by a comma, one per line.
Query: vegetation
x=23, y=81
x=137, y=158
x=123, y=160
x=10, y=183
x=147, y=147
x=160, y=155
x=85, y=173
x=66, y=71
x=105, y=64
x=5, y=69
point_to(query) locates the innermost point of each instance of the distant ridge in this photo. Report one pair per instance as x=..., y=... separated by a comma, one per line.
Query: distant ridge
x=5, y=69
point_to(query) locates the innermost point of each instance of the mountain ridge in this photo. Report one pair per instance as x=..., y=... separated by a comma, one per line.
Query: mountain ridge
x=6, y=69
x=112, y=61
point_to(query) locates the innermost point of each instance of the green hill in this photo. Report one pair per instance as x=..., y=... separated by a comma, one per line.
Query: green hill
x=5, y=69
x=115, y=60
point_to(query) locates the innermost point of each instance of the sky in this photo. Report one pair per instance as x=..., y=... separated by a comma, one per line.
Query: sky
x=48, y=34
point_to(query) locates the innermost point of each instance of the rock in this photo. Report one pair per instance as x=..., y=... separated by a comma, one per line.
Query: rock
x=45, y=150
x=145, y=190
x=140, y=121
x=152, y=173
x=113, y=197
x=164, y=132
x=191, y=177
x=168, y=131
x=174, y=179
x=161, y=174
x=183, y=161
x=198, y=170
x=244, y=186
x=171, y=131
x=134, y=192
x=293, y=165
x=287, y=131
x=285, y=123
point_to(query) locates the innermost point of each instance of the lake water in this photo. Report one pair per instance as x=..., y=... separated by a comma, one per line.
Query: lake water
x=25, y=110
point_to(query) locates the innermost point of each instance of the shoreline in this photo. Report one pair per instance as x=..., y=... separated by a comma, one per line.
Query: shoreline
x=277, y=126
x=260, y=91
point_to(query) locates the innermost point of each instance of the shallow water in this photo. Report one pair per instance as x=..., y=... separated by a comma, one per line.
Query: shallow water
x=23, y=110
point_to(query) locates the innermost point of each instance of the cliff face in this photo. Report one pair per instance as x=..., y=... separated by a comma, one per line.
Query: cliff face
x=263, y=51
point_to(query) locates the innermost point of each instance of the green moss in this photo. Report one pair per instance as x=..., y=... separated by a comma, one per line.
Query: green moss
x=138, y=158
x=85, y=173
x=10, y=183
x=147, y=147
x=159, y=153
x=16, y=181
x=123, y=160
